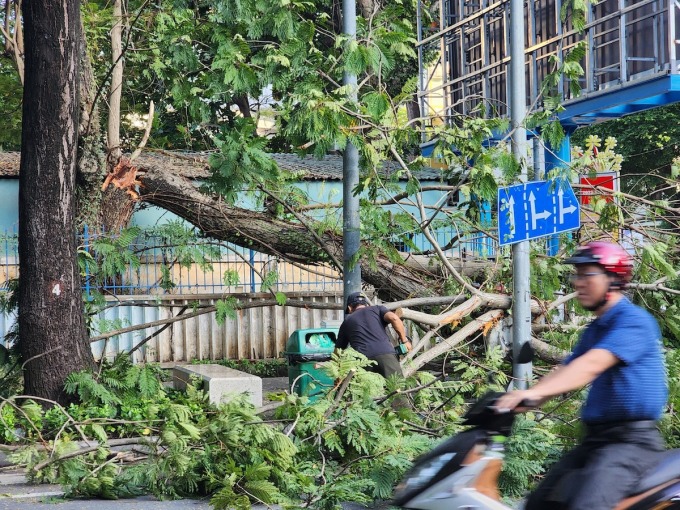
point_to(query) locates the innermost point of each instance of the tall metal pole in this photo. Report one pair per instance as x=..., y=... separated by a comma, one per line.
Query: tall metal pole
x=521, y=296
x=422, y=70
x=350, y=173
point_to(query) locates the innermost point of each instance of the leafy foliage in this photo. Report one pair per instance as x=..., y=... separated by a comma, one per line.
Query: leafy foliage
x=529, y=449
x=317, y=453
x=10, y=105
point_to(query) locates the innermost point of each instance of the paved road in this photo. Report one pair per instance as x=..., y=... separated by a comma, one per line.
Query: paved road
x=121, y=504
x=128, y=504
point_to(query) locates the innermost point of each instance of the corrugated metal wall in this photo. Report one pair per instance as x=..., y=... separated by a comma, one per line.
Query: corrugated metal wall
x=255, y=333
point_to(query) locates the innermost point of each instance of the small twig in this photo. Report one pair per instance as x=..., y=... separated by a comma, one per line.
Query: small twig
x=339, y=394
x=353, y=461
x=40, y=355
x=424, y=430
x=158, y=332
x=292, y=427
x=380, y=400
x=116, y=457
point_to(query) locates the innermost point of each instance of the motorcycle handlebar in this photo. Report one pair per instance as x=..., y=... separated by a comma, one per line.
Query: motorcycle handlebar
x=526, y=403
x=529, y=402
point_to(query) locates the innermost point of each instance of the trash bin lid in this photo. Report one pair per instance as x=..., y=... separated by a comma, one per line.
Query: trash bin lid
x=308, y=341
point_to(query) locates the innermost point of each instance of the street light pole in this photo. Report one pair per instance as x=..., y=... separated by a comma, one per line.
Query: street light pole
x=521, y=295
x=350, y=172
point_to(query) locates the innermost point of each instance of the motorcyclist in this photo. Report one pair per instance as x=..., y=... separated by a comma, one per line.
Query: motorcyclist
x=620, y=355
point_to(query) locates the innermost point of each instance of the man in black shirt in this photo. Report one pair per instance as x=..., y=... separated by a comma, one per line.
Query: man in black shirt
x=364, y=330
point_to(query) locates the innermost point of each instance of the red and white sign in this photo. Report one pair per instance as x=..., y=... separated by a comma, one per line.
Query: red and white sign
x=608, y=180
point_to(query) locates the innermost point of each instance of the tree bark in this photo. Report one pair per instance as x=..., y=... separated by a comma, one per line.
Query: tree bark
x=53, y=337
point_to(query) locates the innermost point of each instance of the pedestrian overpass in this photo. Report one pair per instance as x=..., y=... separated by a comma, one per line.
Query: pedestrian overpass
x=630, y=64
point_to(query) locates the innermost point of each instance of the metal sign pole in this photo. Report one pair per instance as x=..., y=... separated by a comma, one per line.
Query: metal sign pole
x=350, y=171
x=521, y=296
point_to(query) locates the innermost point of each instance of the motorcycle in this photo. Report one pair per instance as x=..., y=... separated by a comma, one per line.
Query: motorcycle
x=462, y=472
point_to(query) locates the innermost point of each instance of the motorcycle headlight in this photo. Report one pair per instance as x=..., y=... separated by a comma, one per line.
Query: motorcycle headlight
x=420, y=475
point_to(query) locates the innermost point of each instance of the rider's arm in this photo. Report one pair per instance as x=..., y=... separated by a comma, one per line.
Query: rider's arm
x=577, y=374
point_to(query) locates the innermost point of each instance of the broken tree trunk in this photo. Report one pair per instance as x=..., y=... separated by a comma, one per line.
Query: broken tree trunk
x=483, y=322
x=264, y=233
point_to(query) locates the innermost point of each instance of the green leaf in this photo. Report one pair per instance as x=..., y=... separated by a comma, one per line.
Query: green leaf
x=190, y=429
x=99, y=433
x=225, y=309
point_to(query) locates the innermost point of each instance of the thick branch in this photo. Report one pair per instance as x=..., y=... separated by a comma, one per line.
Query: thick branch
x=267, y=234
x=501, y=301
x=473, y=326
x=548, y=352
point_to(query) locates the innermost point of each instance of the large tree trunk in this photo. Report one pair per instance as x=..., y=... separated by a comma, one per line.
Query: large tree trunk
x=53, y=337
x=292, y=241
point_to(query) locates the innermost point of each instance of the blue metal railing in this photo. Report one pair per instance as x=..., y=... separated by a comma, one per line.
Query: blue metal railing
x=155, y=267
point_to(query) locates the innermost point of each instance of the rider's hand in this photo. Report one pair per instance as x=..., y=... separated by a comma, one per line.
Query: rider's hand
x=511, y=401
x=408, y=345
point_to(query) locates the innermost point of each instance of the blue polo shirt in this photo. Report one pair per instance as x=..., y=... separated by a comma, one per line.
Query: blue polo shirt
x=634, y=389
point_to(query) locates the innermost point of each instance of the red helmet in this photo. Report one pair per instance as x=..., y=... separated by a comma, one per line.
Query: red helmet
x=610, y=256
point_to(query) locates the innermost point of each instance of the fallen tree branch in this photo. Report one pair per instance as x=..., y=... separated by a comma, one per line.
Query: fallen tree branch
x=657, y=287
x=380, y=400
x=561, y=328
x=209, y=309
x=451, y=317
x=445, y=345
x=552, y=306
x=548, y=352
x=83, y=451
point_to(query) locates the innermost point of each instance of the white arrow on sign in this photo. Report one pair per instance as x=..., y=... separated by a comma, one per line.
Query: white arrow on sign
x=564, y=210
x=534, y=215
x=510, y=206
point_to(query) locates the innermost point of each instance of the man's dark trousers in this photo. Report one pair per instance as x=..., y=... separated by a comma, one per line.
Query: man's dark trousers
x=603, y=470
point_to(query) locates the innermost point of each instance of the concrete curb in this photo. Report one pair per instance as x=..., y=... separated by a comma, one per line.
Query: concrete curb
x=14, y=485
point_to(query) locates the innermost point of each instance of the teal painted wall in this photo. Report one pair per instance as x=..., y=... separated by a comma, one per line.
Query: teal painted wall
x=9, y=205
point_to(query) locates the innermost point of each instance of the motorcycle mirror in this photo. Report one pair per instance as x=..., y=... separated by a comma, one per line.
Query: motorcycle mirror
x=526, y=353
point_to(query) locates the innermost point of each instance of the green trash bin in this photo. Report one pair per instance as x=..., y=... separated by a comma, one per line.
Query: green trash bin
x=305, y=349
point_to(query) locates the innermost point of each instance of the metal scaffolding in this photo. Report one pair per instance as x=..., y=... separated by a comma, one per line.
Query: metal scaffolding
x=629, y=43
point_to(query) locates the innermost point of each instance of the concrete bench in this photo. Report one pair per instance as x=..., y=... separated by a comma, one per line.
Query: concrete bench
x=221, y=383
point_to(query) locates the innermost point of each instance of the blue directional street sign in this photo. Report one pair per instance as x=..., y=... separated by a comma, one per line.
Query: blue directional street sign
x=536, y=209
